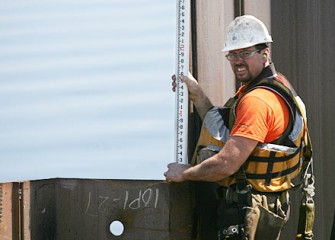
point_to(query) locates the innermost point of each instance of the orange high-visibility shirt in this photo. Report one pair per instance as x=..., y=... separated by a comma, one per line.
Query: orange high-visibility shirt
x=261, y=115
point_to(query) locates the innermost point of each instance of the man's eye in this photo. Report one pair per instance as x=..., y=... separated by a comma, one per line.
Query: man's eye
x=245, y=54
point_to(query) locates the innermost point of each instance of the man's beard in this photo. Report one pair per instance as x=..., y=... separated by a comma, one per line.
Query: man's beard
x=246, y=77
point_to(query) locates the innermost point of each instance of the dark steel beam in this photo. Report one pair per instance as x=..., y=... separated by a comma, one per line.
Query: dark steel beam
x=83, y=209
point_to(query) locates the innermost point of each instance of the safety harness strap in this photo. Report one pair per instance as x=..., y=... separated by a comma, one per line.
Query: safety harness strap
x=227, y=113
x=274, y=158
x=274, y=174
x=270, y=168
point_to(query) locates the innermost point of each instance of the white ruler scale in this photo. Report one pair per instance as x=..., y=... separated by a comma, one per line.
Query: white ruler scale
x=183, y=32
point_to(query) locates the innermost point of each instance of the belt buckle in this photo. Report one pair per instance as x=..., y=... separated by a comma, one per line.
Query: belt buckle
x=228, y=232
x=245, y=190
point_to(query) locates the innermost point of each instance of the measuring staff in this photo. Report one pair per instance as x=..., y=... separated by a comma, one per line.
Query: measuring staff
x=182, y=68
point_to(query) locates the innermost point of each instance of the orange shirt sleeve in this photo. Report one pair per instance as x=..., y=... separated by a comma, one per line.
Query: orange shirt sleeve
x=261, y=115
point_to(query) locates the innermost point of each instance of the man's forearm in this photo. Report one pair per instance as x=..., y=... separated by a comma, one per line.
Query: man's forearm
x=202, y=104
x=225, y=163
x=197, y=96
x=211, y=170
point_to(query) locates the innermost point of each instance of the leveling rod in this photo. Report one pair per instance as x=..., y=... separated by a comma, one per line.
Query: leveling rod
x=182, y=68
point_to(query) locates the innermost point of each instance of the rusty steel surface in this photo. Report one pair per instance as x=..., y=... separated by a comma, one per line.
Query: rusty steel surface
x=25, y=210
x=1, y=191
x=6, y=211
x=60, y=209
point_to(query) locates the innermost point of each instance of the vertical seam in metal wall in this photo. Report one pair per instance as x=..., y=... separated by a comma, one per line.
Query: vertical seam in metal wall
x=15, y=212
x=238, y=8
x=1, y=187
x=20, y=203
x=194, y=58
x=238, y=11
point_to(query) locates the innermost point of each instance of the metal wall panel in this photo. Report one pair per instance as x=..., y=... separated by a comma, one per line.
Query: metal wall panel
x=10, y=211
x=59, y=209
x=6, y=190
x=213, y=70
x=303, y=50
x=302, y=34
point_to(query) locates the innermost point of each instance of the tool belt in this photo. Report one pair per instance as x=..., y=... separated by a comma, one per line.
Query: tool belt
x=231, y=212
x=262, y=218
x=231, y=194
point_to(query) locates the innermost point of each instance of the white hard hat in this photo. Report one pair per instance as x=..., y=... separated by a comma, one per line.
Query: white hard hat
x=246, y=31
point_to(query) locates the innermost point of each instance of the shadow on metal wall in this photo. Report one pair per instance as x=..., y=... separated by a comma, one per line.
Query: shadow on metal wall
x=303, y=50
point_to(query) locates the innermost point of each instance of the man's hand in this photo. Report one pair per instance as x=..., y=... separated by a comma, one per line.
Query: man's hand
x=175, y=172
x=216, y=168
x=191, y=83
x=197, y=96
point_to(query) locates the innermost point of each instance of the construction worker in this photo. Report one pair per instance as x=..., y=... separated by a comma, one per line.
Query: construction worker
x=253, y=146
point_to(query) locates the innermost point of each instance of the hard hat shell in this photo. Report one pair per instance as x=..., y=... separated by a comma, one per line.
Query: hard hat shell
x=246, y=31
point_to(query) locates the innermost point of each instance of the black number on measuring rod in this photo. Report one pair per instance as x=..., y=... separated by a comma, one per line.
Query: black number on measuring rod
x=183, y=8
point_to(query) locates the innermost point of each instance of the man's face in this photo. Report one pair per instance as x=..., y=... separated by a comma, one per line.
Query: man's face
x=248, y=63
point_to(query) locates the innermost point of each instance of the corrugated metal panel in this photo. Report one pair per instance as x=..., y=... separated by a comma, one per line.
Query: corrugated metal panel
x=303, y=50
